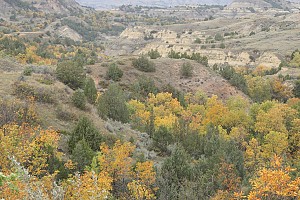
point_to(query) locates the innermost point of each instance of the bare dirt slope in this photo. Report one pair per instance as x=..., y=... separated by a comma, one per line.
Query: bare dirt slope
x=168, y=72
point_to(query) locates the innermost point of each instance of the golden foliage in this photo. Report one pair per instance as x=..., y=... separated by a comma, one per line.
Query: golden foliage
x=275, y=183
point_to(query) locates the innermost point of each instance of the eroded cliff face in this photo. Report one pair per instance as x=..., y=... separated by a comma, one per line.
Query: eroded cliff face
x=217, y=56
x=184, y=42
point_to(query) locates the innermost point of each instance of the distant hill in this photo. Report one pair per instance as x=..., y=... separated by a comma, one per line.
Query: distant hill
x=162, y=3
x=280, y=4
x=47, y=6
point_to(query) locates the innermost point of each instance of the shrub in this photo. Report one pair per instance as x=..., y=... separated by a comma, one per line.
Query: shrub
x=154, y=54
x=219, y=37
x=17, y=112
x=197, y=41
x=143, y=64
x=112, y=104
x=27, y=71
x=143, y=86
x=71, y=73
x=90, y=90
x=114, y=73
x=186, y=70
x=222, y=46
x=78, y=99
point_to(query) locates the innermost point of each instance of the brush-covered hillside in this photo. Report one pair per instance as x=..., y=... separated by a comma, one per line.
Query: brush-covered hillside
x=126, y=104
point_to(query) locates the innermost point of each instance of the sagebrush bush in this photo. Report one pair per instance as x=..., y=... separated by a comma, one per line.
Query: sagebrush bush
x=114, y=72
x=143, y=64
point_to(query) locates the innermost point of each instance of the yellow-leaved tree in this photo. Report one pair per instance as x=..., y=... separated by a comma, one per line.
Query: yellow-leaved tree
x=275, y=183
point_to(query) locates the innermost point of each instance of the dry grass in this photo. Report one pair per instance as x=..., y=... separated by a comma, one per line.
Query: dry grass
x=168, y=72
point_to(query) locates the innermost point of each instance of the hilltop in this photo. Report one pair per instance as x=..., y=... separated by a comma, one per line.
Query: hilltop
x=66, y=7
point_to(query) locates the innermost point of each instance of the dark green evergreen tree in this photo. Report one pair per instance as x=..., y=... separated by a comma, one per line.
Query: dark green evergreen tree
x=78, y=99
x=82, y=154
x=85, y=129
x=112, y=104
x=90, y=90
x=71, y=73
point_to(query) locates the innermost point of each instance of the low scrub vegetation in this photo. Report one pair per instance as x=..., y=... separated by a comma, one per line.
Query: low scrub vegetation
x=143, y=64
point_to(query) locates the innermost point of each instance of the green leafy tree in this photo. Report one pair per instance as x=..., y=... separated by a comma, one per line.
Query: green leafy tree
x=222, y=46
x=71, y=73
x=90, y=90
x=78, y=99
x=112, y=104
x=259, y=88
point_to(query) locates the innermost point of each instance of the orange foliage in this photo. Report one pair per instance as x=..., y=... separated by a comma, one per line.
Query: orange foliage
x=275, y=183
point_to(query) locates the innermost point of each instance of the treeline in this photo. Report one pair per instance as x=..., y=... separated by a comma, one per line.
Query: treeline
x=195, y=56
